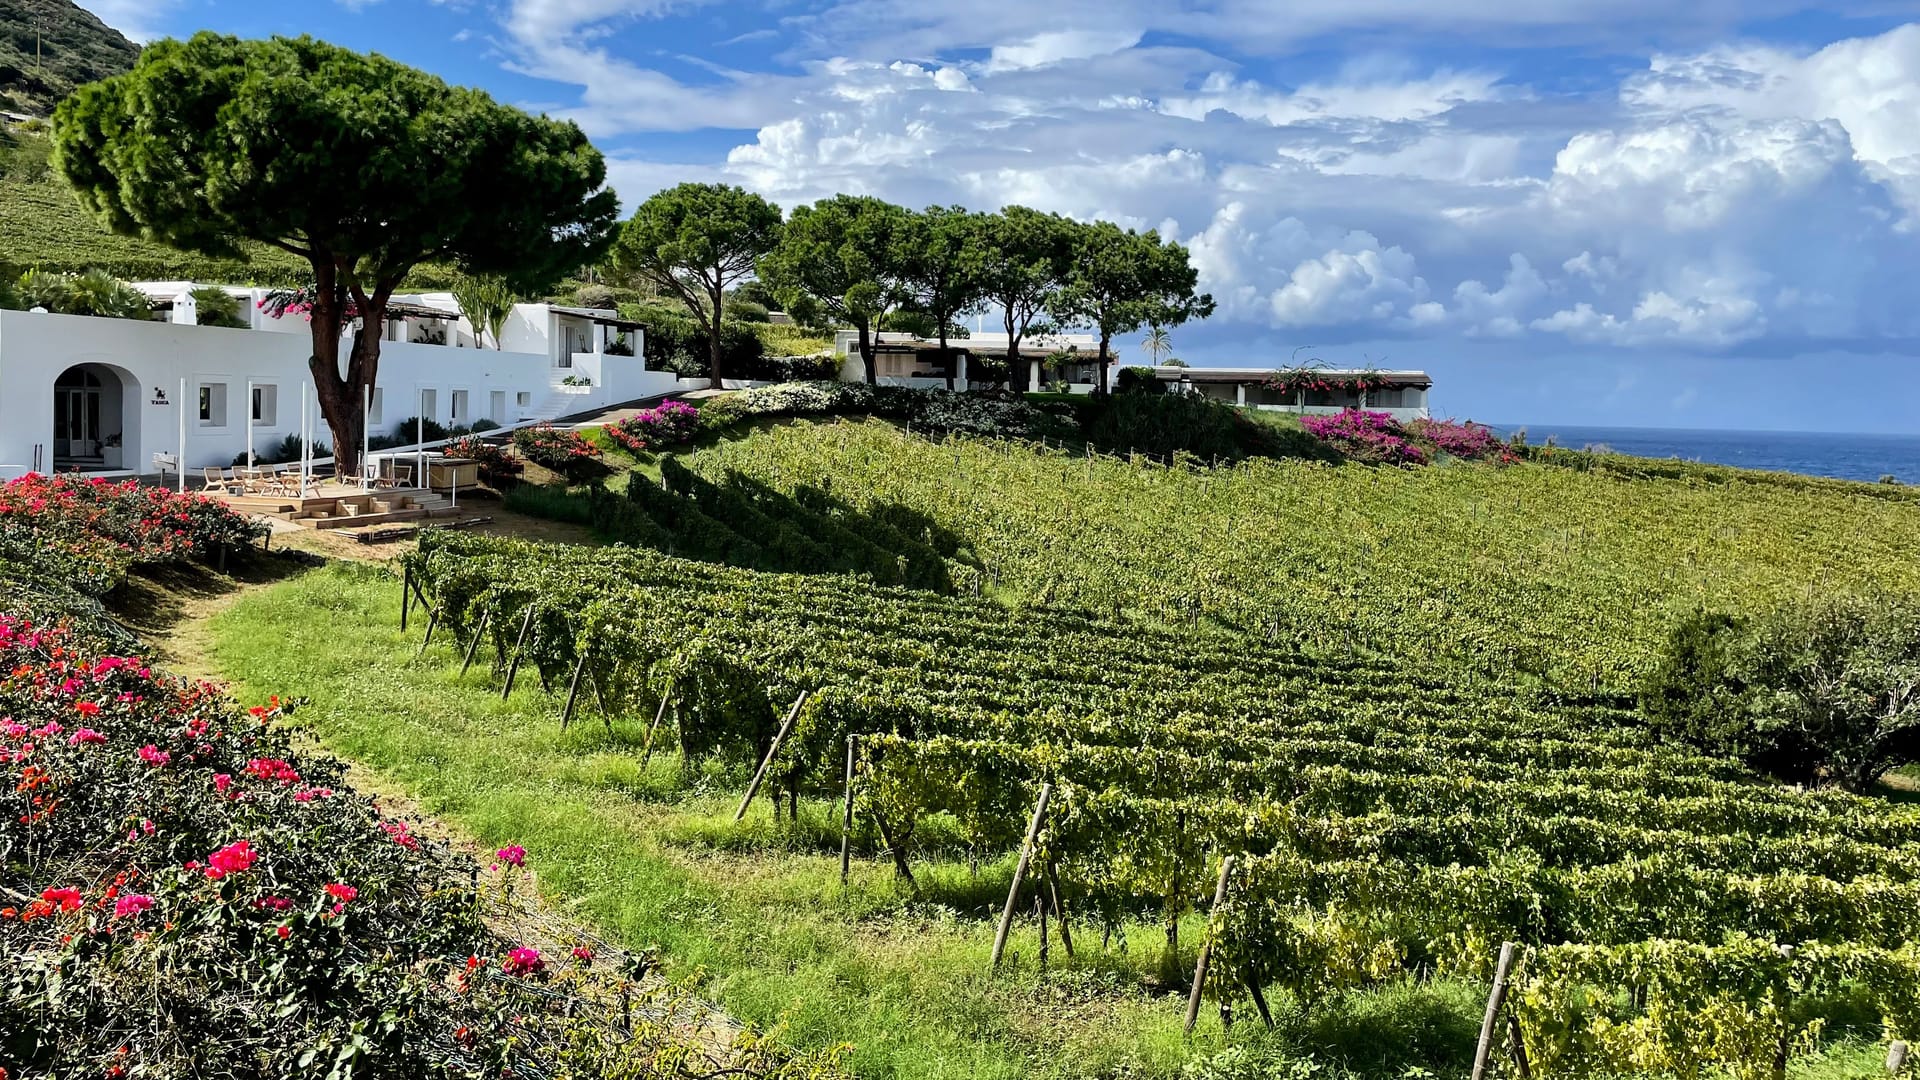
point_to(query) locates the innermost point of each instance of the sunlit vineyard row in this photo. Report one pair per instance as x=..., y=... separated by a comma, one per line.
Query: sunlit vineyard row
x=1573, y=577
x=1389, y=822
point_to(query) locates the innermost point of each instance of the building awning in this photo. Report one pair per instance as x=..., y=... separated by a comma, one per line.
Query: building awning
x=419, y=311
x=601, y=316
x=1251, y=376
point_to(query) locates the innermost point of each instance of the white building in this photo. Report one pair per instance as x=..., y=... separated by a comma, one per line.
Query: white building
x=110, y=395
x=1404, y=396
x=906, y=360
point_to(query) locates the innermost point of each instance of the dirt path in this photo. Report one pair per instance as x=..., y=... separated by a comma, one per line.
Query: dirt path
x=172, y=612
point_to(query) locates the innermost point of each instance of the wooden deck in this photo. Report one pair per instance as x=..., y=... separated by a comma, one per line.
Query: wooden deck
x=334, y=506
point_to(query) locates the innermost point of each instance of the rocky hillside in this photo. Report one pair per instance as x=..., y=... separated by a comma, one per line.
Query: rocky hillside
x=48, y=47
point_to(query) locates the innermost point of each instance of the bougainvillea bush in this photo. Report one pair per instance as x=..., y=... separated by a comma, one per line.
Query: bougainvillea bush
x=498, y=468
x=560, y=449
x=189, y=895
x=1461, y=439
x=71, y=532
x=672, y=423
x=1367, y=436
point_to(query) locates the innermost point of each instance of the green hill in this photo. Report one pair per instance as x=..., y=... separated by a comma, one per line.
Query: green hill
x=48, y=47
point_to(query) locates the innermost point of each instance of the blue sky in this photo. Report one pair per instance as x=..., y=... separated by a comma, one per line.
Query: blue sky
x=1633, y=212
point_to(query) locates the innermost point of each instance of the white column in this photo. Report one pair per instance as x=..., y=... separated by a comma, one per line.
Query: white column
x=1240, y=394
x=182, y=462
x=248, y=406
x=960, y=380
x=366, y=420
x=420, y=438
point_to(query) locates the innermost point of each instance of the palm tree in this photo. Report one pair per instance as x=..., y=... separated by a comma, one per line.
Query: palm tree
x=1157, y=343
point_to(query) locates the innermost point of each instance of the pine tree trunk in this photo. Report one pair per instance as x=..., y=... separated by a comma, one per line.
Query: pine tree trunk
x=713, y=344
x=867, y=350
x=1105, y=341
x=944, y=358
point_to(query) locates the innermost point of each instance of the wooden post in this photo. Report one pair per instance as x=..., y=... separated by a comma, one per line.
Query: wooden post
x=513, y=668
x=846, y=818
x=1896, y=1057
x=1259, y=1000
x=1019, y=873
x=1520, y=1064
x=1495, y=998
x=406, y=591
x=646, y=750
x=766, y=763
x=573, y=690
x=1040, y=913
x=1206, y=947
x=433, y=620
x=474, y=645
x=1059, y=905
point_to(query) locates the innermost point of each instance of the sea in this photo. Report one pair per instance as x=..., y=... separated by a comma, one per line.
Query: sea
x=1847, y=457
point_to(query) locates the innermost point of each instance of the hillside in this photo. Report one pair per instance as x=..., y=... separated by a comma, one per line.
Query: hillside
x=42, y=225
x=48, y=47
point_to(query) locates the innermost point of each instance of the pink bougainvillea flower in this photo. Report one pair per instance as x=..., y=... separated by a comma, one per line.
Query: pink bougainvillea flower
x=273, y=769
x=523, y=962
x=221, y=781
x=84, y=736
x=513, y=855
x=231, y=859
x=154, y=756
x=583, y=954
x=131, y=904
x=341, y=893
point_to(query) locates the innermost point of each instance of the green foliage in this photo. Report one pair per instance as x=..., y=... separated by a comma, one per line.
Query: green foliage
x=786, y=340
x=1119, y=281
x=1819, y=690
x=48, y=47
x=486, y=301
x=91, y=292
x=280, y=453
x=841, y=257
x=940, y=258
x=1024, y=259
x=1569, y=577
x=214, y=306
x=693, y=242
x=1139, y=380
x=1164, y=425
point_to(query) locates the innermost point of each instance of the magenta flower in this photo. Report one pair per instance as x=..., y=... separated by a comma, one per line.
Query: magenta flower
x=514, y=855
x=131, y=904
x=154, y=756
x=84, y=736
x=523, y=962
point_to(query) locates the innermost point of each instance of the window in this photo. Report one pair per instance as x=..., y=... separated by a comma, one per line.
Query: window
x=523, y=399
x=459, y=406
x=374, y=410
x=430, y=404
x=265, y=402
x=213, y=404
x=497, y=406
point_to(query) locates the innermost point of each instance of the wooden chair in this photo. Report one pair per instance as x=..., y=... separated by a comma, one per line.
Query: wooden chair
x=398, y=476
x=218, y=480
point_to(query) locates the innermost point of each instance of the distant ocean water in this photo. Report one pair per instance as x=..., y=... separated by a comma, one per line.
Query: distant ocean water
x=1848, y=457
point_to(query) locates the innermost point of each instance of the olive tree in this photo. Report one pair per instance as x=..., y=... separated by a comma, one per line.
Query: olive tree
x=361, y=166
x=695, y=241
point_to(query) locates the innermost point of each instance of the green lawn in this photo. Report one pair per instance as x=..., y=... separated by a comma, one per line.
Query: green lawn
x=753, y=915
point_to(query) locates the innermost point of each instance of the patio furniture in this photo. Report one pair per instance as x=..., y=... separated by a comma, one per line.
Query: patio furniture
x=398, y=476
x=218, y=480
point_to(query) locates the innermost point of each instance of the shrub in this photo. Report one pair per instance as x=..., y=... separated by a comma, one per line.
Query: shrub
x=1362, y=435
x=214, y=306
x=1816, y=691
x=933, y=409
x=559, y=449
x=1138, y=380
x=672, y=423
x=1459, y=439
x=498, y=468
x=1167, y=424
x=433, y=431
x=483, y=424
x=286, y=450
x=94, y=292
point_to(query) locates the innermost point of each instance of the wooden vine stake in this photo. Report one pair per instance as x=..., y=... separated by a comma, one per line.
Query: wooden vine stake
x=846, y=818
x=760, y=774
x=513, y=668
x=1206, y=947
x=433, y=620
x=1896, y=1057
x=1019, y=873
x=1495, y=998
x=646, y=750
x=573, y=689
x=474, y=645
x=406, y=596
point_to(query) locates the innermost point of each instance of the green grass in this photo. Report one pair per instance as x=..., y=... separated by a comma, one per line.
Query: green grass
x=752, y=914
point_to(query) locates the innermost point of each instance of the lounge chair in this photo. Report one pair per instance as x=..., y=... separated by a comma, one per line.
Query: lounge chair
x=218, y=480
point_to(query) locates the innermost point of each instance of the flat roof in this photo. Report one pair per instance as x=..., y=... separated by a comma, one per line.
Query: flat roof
x=1244, y=374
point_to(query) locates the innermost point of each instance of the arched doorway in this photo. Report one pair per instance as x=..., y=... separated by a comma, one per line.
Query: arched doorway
x=95, y=418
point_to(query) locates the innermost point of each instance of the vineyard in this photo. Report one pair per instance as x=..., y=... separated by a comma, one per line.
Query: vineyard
x=1383, y=822
x=1544, y=574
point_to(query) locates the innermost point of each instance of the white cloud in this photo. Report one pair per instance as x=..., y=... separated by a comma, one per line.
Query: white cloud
x=1055, y=46
x=1359, y=281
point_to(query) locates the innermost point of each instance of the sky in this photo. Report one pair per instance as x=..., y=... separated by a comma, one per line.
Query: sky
x=1656, y=213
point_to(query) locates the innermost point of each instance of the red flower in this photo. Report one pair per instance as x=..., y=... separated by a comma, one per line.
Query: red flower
x=66, y=899
x=283, y=930
x=231, y=859
x=86, y=708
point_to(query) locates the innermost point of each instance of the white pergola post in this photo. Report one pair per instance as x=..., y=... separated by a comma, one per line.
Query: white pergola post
x=366, y=421
x=249, y=407
x=182, y=461
x=420, y=436
x=1240, y=394
x=306, y=442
